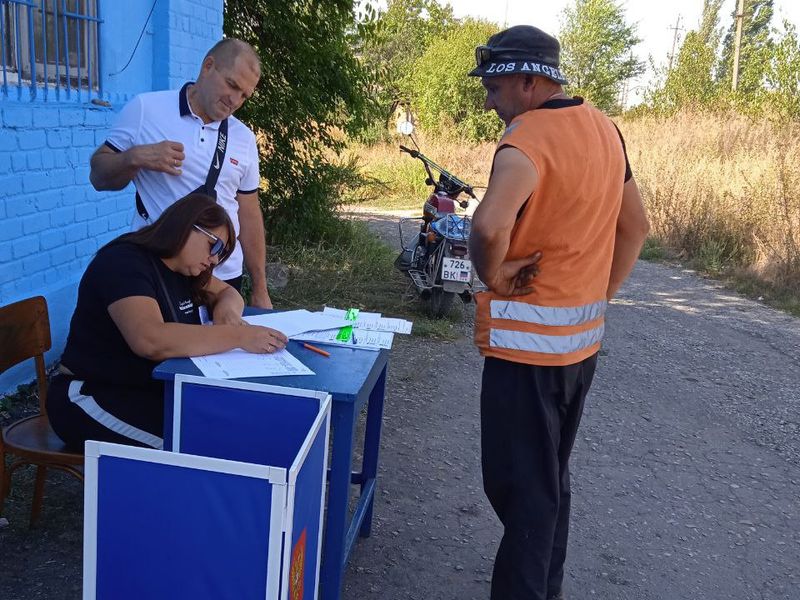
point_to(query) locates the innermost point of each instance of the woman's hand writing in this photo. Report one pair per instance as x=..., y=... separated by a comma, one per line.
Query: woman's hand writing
x=261, y=340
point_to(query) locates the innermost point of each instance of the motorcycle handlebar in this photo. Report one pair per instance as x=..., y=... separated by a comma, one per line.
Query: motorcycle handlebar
x=467, y=189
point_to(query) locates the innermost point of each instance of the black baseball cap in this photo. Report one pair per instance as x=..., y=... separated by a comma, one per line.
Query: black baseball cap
x=520, y=49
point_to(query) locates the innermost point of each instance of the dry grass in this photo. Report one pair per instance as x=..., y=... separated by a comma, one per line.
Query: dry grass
x=722, y=191
x=399, y=180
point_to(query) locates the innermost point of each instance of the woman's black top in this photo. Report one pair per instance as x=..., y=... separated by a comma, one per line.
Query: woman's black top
x=95, y=350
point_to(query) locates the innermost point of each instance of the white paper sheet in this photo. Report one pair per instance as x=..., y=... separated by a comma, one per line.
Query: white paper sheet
x=369, y=340
x=292, y=322
x=372, y=321
x=385, y=324
x=238, y=363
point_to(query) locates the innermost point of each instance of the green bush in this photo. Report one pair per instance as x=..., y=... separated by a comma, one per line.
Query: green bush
x=313, y=89
x=442, y=94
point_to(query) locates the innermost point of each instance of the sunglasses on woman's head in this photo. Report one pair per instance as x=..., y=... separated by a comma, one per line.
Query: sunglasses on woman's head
x=218, y=247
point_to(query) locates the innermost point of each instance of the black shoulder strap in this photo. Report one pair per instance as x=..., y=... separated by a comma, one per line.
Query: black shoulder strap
x=167, y=297
x=213, y=170
x=219, y=157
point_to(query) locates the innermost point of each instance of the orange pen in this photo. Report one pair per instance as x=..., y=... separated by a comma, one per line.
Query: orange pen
x=317, y=350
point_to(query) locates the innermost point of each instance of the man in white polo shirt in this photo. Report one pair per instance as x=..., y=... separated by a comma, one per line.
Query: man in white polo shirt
x=172, y=143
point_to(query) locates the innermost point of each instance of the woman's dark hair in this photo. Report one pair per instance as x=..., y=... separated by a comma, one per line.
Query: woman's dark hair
x=168, y=234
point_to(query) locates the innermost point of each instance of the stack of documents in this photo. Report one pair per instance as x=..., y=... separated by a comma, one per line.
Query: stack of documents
x=351, y=328
x=363, y=330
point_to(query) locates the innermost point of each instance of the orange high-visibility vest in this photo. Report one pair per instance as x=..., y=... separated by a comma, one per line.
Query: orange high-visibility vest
x=571, y=218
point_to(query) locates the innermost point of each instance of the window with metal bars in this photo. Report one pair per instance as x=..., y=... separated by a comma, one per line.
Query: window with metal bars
x=49, y=44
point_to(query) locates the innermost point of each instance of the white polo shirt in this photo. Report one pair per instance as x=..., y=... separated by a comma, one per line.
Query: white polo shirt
x=157, y=116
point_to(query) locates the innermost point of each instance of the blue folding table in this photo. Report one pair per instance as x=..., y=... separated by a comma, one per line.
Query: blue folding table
x=353, y=377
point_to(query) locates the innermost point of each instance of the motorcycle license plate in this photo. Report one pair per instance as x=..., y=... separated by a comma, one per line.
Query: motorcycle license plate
x=456, y=269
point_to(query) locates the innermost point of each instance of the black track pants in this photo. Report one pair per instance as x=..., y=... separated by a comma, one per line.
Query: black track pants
x=529, y=420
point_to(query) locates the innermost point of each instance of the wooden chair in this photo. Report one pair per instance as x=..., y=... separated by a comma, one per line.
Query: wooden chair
x=24, y=334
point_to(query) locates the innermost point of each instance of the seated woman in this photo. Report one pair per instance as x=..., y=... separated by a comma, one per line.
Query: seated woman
x=139, y=304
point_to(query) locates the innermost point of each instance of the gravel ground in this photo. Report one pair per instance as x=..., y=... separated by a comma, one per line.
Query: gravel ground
x=686, y=471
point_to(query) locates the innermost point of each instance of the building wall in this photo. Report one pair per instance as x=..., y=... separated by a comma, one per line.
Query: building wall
x=53, y=219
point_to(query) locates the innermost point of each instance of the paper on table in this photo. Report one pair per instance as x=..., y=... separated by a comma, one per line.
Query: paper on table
x=292, y=322
x=385, y=324
x=363, y=317
x=368, y=340
x=238, y=363
x=372, y=321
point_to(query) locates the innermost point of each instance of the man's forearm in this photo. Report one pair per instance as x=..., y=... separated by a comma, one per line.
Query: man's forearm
x=487, y=253
x=632, y=230
x=112, y=170
x=254, y=246
x=626, y=252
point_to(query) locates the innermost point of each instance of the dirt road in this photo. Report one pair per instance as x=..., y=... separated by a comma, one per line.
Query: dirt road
x=686, y=472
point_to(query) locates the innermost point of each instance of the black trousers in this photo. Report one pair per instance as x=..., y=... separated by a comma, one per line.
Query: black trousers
x=142, y=408
x=529, y=420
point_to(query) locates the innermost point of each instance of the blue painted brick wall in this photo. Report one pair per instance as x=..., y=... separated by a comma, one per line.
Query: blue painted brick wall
x=53, y=220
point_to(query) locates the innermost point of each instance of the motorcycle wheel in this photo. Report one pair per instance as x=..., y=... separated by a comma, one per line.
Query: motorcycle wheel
x=439, y=302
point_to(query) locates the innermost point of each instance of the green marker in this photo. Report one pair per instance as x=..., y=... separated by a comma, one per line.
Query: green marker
x=345, y=333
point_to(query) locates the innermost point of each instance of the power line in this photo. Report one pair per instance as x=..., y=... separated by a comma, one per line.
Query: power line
x=737, y=44
x=676, y=29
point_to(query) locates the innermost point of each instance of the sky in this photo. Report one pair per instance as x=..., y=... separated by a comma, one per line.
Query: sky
x=655, y=20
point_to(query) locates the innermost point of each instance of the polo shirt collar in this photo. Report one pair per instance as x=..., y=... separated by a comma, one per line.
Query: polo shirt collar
x=185, y=110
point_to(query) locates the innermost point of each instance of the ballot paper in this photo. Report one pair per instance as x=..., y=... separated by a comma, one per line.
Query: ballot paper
x=384, y=324
x=364, y=339
x=238, y=363
x=292, y=322
x=371, y=321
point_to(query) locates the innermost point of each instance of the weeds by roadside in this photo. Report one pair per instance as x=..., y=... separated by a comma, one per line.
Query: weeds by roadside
x=397, y=181
x=23, y=402
x=722, y=193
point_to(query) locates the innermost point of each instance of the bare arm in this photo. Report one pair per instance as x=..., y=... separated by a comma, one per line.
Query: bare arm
x=632, y=229
x=114, y=170
x=514, y=179
x=139, y=320
x=226, y=303
x=253, y=240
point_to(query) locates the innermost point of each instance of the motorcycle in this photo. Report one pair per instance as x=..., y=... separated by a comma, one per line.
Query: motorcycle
x=436, y=258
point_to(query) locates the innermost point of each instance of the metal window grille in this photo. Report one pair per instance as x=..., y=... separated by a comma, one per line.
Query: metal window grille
x=50, y=46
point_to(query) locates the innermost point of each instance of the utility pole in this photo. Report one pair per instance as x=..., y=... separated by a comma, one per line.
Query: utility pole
x=625, y=86
x=676, y=29
x=737, y=43
x=505, y=17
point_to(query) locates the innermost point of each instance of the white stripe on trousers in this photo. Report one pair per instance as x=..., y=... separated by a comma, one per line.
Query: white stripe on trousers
x=90, y=406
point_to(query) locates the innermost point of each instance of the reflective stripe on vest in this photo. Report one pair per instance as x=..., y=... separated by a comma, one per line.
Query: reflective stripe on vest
x=547, y=315
x=546, y=344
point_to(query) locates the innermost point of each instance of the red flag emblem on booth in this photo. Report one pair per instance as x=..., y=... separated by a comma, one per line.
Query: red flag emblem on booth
x=297, y=568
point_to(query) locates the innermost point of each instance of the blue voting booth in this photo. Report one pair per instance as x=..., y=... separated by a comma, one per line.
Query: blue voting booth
x=234, y=511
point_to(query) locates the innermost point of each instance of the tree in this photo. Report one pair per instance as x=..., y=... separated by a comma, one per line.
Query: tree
x=596, y=50
x=754, y=53
x=709, y=24
x=312, y=86
x=691, y=83
x=402, y=34
x=441, y=92
x=406, y=30
x=783, y=76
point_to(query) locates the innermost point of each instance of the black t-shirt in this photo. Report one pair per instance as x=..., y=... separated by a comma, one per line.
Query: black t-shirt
x=96, y=351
